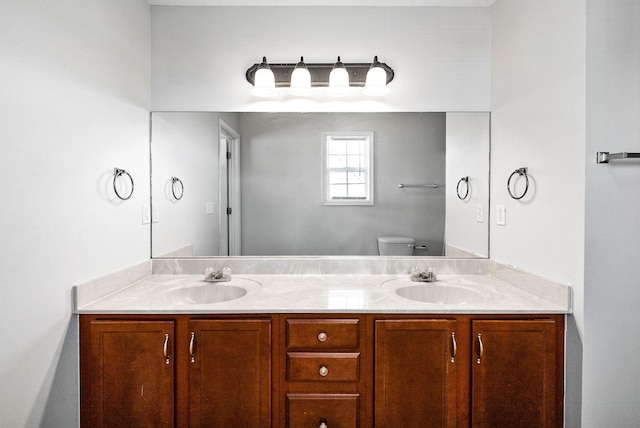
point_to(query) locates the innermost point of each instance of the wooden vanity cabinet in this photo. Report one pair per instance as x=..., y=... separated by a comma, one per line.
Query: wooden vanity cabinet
x=516, y=373
x=229, y=373
x=469, y=371
x=182, y=371
x=322, y=370
x=325, y=377
x=415, y=373
x=127, y=373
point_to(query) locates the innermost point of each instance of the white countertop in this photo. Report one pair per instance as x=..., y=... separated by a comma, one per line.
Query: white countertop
x=309, y=293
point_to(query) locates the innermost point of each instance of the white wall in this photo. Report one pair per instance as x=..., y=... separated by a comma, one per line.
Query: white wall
x=538, y=121
x=74, y=85
x=468, y=151
x=612, y=284
x=186, y=145
x=441, y=56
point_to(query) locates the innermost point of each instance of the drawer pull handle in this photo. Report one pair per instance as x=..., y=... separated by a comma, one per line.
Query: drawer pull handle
x=323, y=425
x=323, y=371
x=480, y=348
x=192, y=347
x=165, y=348
x=455, y=346
x=322, y=337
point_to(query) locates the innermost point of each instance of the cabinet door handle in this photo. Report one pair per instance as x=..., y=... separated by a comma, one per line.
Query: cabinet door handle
x=480, y=348
x=165, y=349
x=192, y=346
x=454, y=345
x=323, y=371
x=323, y=425
x=322, y=336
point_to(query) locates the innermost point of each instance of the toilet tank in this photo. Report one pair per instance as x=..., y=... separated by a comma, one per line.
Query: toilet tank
x=395, y=246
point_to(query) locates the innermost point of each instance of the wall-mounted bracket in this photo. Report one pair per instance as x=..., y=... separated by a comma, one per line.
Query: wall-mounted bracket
x=605, y=157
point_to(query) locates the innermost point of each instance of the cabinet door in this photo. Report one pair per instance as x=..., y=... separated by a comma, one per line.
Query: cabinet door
x=230, y=373
x=129, y=375
x=415, y=370
x=513, y=374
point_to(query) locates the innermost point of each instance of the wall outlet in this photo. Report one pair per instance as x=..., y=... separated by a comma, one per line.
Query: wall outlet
x=501, y=215
x=146, y=214
x=155, y=215
x=480, y=213
x=209, y=209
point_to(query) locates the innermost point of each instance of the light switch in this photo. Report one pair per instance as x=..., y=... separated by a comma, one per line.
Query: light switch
x=155, y=215
x=209, y=209
x=501, y=215
x=146, y=214
x=480, y=213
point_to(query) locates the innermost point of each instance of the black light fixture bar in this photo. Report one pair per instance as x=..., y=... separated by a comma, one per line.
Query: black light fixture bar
x=319, y=73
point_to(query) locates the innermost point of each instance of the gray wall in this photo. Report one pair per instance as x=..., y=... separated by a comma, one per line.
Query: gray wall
x=612, y=255
x=282, y=194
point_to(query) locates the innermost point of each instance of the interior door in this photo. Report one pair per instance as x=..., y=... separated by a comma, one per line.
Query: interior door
x=223, y=195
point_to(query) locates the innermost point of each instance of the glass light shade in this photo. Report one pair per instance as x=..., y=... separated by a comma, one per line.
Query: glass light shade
x=300, y=80
x=338, y=80
x=264, y=81
x=376, y=82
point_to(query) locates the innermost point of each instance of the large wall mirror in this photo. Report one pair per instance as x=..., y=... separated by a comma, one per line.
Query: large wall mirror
x=255, y=184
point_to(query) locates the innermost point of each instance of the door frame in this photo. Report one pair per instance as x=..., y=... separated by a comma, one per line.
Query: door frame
x=232, y=179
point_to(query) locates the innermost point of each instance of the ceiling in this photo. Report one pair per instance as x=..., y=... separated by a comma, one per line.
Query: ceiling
x=446, y=3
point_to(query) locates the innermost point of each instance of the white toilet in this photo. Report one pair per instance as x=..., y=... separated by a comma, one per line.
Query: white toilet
x=395, y=246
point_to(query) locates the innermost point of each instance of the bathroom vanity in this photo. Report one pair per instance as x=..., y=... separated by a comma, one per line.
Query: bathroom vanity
x=322, y=351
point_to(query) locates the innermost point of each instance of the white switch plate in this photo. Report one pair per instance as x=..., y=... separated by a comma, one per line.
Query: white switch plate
x=146, y=214
x=209, y=209
x=480, y=213
x=501, y=215
x=155, y=215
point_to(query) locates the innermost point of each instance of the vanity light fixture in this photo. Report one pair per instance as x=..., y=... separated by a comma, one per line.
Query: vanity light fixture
x=338, y=80
x=376, y=83
x=300, y=80
x=337, y=77
x=264, y=84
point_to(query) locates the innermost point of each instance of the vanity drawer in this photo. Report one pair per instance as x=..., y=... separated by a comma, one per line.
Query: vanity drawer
x=323, y=333
x=323, y=367
x=312, y=410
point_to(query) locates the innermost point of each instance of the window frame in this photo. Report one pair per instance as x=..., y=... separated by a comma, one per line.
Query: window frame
x=368, y=136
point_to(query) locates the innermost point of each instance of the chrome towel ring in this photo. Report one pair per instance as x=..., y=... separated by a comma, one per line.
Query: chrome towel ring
x=521, y=172
x=175, y=180
x=117, y=172
x=466, y=193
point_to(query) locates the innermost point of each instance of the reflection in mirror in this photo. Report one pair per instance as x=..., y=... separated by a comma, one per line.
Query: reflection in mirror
x=266, y=197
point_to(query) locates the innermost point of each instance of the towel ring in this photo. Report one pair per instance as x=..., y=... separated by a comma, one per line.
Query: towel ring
x=175, y=180
x=520, y=172
x=117, y=172
x=466, y=193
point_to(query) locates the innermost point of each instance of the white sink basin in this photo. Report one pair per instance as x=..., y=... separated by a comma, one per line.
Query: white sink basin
x=204, y=294
x=442, y=293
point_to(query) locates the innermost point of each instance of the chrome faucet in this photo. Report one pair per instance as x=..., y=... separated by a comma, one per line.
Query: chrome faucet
x=222, y=275
x=418, y=276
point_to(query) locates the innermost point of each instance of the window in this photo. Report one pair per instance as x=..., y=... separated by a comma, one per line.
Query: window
x=348, y=168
